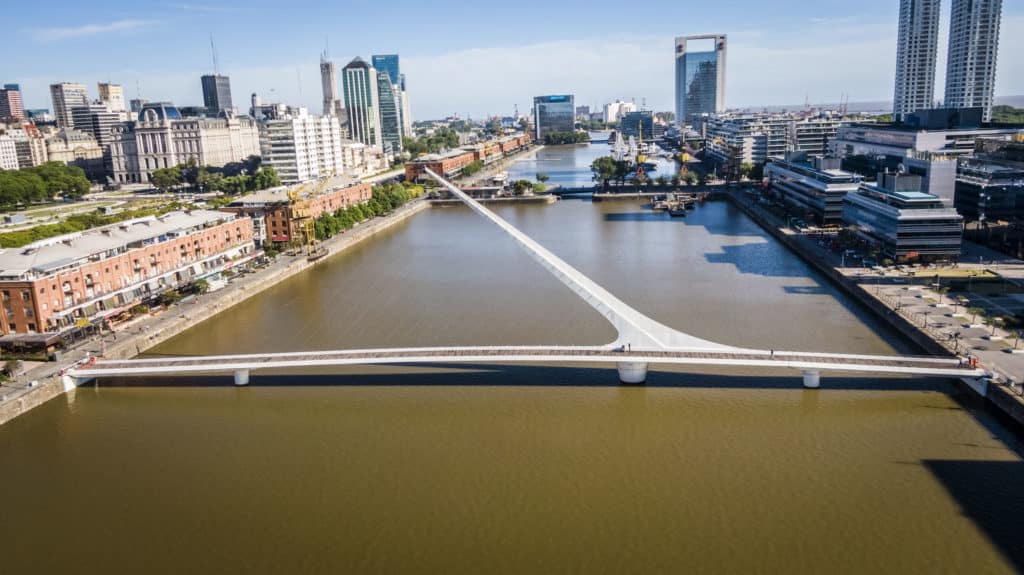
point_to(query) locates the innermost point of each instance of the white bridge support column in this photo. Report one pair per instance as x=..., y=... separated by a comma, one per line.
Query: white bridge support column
x=632, y=371
x=71, y=382
x=241, y=377
x=812, y=378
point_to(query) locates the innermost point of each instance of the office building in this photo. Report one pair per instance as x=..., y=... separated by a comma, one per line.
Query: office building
x=113, y=96
x=161, y=138
x=275, y=217
x=403, y=100
x=990, y=184
x=388, y=65
x=360, y=89
x=613, y=111
x=56, y=284
x=217, y=94
x=641, y=125
x=390, y=115
x=813, y=185
x=95, y=119
x=553, y=114
x=8, y=153
x=302, y=147
x=700, y=77
x=329, y=86
x=971, y=60
x=904, y=222
x=11, y=106
x=29, y=144
x=65, y=97
x=739, y=138
x=926, y=144
x=916, y=48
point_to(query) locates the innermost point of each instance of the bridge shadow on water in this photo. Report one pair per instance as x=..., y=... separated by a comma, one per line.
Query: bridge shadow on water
x=494, y=375
x=991, y=495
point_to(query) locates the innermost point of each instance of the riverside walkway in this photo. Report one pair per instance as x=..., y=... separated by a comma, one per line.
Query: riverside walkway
x=641, y=341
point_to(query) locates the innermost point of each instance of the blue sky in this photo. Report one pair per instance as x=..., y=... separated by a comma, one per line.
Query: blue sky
x=473, y=58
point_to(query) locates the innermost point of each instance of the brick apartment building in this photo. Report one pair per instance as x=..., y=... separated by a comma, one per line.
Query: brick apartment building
x=59, y=283
x=273, y=213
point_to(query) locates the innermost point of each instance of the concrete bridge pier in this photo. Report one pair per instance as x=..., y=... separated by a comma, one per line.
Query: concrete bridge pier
x=632, y=371
x=241, y=377
x=812, y=378
x=71, y=382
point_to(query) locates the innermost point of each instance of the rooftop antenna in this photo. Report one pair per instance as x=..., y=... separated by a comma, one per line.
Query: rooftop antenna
x=138, y=91
x=213, y=52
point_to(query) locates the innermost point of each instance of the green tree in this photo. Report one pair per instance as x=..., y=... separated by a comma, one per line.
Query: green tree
x=542, y=177
x=166, y=179
x=562, y=138
x=472, y=168
x=520, y=187
x=200, y=286
x=604, y=170
x=209, y=181
x=265, y=177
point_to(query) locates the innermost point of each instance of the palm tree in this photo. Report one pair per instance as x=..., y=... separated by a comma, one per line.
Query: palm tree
x=993, y=322
x=975, y=312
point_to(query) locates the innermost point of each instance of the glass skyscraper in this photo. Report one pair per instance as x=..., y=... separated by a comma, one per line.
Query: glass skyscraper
x=700, y=78
x=359, y=88
x=553, y=114
x=390, y=120
x=387, y=63
x=216, y=93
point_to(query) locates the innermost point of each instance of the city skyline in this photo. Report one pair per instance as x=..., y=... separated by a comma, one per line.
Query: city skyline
x=767, y=65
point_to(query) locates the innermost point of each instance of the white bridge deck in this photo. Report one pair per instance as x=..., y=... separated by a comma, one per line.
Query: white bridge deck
x=641, y=341
x=927, y=366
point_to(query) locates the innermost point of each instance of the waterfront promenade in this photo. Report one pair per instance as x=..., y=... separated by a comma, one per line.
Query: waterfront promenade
x=936, y=321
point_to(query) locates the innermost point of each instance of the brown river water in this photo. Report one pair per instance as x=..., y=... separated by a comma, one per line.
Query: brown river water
x=521, y=469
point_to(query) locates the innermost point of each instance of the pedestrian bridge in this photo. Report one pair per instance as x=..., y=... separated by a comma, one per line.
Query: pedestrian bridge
x=640, y=342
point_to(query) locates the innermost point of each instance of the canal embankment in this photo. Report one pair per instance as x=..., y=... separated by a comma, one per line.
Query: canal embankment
x=1002, y=396
x=44, y=382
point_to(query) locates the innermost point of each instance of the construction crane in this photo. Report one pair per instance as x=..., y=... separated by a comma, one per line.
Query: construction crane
x=302, y=214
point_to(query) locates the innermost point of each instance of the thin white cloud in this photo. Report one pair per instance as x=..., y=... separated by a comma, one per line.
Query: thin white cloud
x=202, y=8
x=57, y=34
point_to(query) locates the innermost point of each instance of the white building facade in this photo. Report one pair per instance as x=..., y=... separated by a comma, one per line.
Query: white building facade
x=917, y=44
x=161, y=138
x=302, y=147
x=973, y=47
